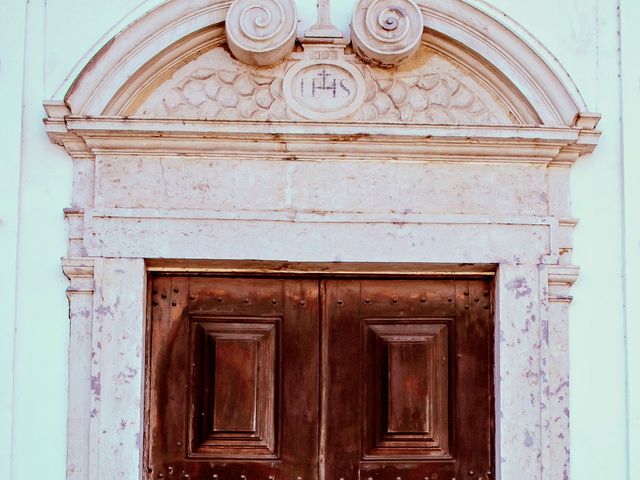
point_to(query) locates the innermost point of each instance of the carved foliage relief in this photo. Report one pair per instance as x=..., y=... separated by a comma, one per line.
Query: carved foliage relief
x=431, y=89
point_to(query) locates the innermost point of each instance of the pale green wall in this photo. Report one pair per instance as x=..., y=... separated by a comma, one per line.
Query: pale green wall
x=582, y=34
x=630, y=33
x=35, y=314
x=11, y=62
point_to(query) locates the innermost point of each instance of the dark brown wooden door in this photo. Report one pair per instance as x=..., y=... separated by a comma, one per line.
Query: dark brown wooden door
x=408, y=380
x=233, y=384
x=305, y=379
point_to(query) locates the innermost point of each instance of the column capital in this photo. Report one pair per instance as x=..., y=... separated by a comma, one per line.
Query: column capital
x=79, y=271
x=560, y=279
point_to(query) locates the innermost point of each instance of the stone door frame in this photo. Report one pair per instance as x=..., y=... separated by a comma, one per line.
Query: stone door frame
x=112, y=249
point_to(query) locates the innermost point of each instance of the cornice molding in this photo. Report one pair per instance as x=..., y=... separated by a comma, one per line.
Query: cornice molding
x=86, y=137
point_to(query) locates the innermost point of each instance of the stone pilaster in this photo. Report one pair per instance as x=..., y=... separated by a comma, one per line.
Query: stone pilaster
x=80, y=272
x=555, y=368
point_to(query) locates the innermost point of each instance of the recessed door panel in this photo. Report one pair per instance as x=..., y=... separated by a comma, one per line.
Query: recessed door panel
x=406, y=389
x=233, y=387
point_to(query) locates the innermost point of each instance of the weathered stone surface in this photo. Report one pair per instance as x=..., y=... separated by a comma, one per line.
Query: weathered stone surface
x=199, y=184
x=519, y=371
x=117, y=367
x=400, y=187
x=337, y=186
x=317, y=238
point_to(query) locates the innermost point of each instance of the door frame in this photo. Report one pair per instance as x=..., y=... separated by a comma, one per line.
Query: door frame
x=108, y=298
x=525, y=227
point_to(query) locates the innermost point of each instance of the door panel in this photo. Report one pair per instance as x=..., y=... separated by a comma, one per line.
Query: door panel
x=475, y=354
x=408, y=386
x=233, y=388
x=312, y=379
x=406, y=389
x=249, y=405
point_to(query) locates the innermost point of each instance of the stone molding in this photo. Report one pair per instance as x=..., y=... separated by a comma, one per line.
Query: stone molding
x=561, y=278
x=85, y=137
x=427, y=238
x=81, y=407
x=74, y=218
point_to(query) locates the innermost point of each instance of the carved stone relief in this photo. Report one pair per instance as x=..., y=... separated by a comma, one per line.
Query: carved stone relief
x=215, y=86
x=431, y=89
x=261, y=32
x=386, y=32
x=323, y=86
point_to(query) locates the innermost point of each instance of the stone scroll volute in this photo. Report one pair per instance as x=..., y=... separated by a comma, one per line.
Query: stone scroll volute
x=261, y=32
x=386, y=32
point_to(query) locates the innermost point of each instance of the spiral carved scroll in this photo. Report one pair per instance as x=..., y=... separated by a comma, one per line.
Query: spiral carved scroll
x=261, y=32
x=386, y=32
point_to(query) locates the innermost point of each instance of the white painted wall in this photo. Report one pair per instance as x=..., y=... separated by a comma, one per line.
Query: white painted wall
x=42, y=42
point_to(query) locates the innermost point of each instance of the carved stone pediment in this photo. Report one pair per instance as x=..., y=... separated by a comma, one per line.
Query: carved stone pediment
x=323, y=83
x=326, y=81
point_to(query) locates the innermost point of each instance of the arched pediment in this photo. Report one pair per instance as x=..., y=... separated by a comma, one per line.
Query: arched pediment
x=471, y=69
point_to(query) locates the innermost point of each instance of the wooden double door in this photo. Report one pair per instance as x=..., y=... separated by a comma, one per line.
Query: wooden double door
x=319, y=379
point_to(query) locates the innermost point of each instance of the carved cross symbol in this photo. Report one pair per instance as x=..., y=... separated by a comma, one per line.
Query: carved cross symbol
x=324, y=75
x=332, y=86
x=323, y=28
